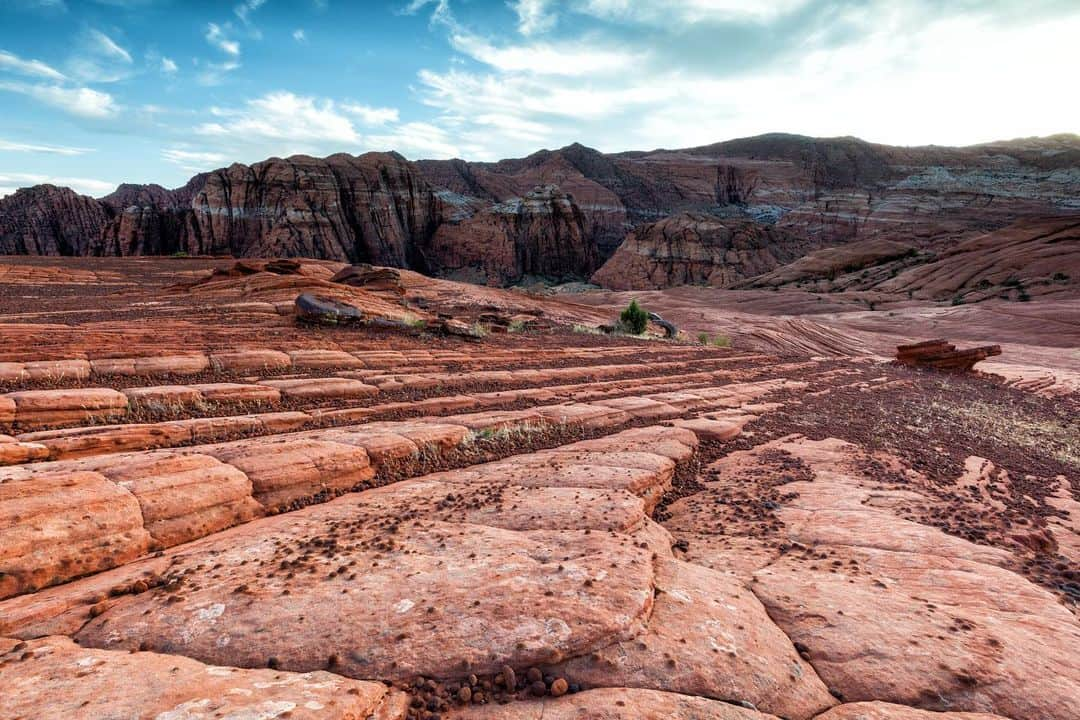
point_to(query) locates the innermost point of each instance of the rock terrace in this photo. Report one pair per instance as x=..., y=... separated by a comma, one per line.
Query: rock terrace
x=260, y=518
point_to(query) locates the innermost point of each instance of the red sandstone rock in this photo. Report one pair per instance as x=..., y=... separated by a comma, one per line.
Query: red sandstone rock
x=615, y=704
x=53, y=677
x=37, y=408
x=58, y=527
x=692, y=249
x=887, y=711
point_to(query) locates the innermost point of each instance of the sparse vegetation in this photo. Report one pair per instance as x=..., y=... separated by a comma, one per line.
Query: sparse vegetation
x=721, y=341
x=180, y=254
x=414, y=322
x=516, y=326
x=957, y=300
x=634, y=319
x=703, y=338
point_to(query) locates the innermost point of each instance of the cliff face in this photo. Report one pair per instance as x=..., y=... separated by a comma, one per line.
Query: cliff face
x=542, y=234
x=371, y=208
x=48, y=220
x=696, y=249
x=485, y=221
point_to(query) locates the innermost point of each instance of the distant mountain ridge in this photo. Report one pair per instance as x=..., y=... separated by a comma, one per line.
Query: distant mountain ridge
x=558, y=214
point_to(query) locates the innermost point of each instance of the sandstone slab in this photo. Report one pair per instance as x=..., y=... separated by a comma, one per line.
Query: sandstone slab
x=54, y=677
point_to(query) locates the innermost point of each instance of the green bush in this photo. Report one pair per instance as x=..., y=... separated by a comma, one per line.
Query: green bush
x=721, y=341
x=634, y=319
x=703, y=338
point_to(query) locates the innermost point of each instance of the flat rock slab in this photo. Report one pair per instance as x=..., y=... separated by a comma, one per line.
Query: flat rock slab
x=57, y=527
x=250, y=360
x=708, y=636
x=329, y=581
x=53, y=677
x=613, y=704
x=934, y=632
x=39, y=408
x=888, y=711
x=322, y=388
x=288, y=470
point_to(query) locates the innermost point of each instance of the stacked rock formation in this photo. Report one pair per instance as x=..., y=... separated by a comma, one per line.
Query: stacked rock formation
x=942, y=355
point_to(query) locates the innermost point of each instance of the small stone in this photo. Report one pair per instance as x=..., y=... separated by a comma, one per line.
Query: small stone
x=465, y=694
x=559, y=687
x=538, y=688
x=534, y=675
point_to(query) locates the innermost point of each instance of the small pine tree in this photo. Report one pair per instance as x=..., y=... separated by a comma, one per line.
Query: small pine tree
x=634, y=319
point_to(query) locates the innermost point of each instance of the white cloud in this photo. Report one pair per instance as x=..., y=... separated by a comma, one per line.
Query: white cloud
x=211, y=74
x=299, y=35
x=168, y=66
x=371, y=115
x=216, y=36
x=244, y=9
x=545, y=59
x=81, y=101
x=106, y=46
x=35, y=68
x=192, y=159
x=282, y=116
x=534, y=16
x=417, y=139
x=678, y=12
x=8, y=146
x=10, y=182
x=899, y=74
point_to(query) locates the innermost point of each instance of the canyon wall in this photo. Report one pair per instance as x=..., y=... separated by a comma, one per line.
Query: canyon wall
x=559, y=214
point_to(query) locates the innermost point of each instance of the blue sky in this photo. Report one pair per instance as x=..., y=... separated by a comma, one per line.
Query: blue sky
x=96, y=92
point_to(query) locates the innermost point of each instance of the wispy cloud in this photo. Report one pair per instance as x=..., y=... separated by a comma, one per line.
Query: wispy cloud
x=534, y=16
x=10, y=182
x=168, y=66
x=371, y=115
x=81, y=101
x=35, y=68
x=108, y=47
x=8, y=146
x=100, y=59
x=299, y=35
x=217, y=36
x=245, y=9
x=282, y=116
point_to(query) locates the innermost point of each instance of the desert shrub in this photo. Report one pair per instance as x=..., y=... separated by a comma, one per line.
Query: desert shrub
x=721, y=341
x=1022, y=294
x=180, y=254
x=703, y=338
x=634, y=319
x=957, y=300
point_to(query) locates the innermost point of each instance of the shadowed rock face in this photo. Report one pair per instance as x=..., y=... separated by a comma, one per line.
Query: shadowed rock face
x=47, y=220
x=543, y=234
x=485, y=221
x=696, y=249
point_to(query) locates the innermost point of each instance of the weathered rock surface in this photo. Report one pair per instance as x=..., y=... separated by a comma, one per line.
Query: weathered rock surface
x=888, y=711
x=617, y=704
x=541, y=234
x=486, y=222
x=47, y=220
x=54, y=677
x=695, y=249
x=930, y=631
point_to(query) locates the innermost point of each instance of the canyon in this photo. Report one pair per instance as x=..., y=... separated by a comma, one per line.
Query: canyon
x=575, y=213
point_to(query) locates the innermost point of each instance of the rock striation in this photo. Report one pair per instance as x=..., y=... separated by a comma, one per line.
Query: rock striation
x=557, y=214
x=698, y=249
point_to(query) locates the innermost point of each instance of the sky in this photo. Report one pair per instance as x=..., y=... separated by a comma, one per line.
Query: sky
x=98, y=92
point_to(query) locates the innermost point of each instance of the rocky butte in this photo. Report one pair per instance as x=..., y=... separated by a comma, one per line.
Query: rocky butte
x=354, y=438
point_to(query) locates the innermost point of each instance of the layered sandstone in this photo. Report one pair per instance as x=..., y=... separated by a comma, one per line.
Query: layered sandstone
x=696, y=249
